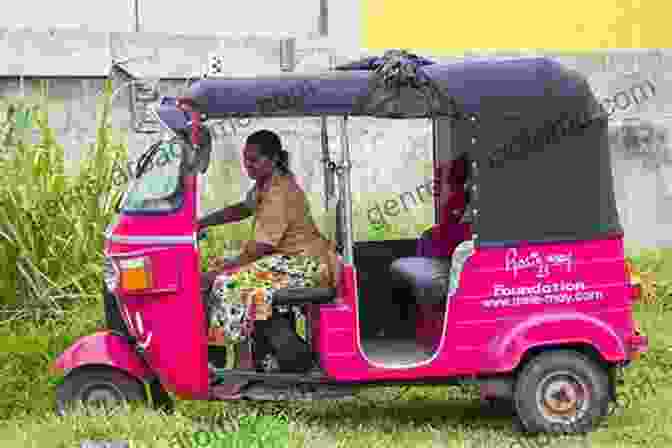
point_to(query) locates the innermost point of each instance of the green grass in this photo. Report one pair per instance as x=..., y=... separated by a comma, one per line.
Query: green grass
x=422, y=416
x=58, y=301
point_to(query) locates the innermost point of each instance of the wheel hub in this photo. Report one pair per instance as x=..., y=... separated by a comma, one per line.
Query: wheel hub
x=102, y=395
x=562, y=397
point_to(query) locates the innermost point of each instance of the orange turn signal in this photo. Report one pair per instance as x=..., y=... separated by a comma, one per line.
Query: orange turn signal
x=634, y=279
x=136, y=274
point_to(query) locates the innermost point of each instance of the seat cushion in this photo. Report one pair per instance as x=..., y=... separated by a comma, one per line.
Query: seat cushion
x=427, y=278
x=303, y=296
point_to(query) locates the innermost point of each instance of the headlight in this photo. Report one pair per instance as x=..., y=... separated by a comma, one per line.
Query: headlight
x=110, y=274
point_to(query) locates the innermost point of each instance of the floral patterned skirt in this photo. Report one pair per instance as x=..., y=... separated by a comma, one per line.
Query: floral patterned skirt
x=239, y=299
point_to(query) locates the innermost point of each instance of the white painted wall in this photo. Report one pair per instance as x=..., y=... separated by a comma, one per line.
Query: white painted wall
x=295, y=17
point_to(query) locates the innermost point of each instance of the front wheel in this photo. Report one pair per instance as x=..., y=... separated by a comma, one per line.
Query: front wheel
x=561, y=392
x=98, y=387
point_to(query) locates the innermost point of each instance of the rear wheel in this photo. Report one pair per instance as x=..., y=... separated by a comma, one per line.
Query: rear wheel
x=561, y=392
x=99, y=387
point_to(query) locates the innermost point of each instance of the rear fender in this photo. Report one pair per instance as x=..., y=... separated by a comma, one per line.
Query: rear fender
x=507, y=350
x=101, y=348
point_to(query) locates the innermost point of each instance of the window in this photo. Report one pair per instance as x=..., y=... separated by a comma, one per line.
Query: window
x=159, y=187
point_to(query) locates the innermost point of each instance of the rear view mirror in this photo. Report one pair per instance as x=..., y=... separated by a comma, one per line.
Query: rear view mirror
x=200, y=158
x=205, y=150
x=203, y=159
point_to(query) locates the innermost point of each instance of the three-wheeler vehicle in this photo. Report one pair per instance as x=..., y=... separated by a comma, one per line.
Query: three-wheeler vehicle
x=521, y=287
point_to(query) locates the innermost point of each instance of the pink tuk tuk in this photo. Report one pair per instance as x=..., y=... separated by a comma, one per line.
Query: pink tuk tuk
x=520, y=287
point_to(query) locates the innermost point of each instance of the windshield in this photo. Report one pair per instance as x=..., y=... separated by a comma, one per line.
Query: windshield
x=158, y=186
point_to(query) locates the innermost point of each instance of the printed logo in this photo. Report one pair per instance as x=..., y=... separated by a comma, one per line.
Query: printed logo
x=535, y=260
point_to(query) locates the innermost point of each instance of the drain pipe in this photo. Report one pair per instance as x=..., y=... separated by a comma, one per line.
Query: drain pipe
x=136, y=13
x=323, y=24
x=288, y=54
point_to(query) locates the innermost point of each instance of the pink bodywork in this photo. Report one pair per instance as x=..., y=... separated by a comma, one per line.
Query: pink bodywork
x=479, y=339
x=474, y=334
x=170, y=318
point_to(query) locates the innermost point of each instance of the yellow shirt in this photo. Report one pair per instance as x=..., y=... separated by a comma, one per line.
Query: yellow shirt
x=283, y=220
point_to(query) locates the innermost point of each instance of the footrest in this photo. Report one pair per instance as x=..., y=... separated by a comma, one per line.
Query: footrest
x=304, y=296
x=298, y=392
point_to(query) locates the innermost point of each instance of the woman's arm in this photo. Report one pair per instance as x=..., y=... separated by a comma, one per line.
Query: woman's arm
x=252, y=251
x=271, y=224
x=234, y=213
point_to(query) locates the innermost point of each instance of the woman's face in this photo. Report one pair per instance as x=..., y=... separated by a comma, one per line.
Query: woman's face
x=257, y=166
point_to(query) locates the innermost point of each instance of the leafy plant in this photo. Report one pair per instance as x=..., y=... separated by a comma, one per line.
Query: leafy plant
x=377, y=231
x=647, y=267
x=51, y=224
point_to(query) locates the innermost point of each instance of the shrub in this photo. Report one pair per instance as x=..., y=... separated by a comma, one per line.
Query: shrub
x=51, y=224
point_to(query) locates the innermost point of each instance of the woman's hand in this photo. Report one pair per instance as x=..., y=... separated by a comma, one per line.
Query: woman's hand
x=224, y=264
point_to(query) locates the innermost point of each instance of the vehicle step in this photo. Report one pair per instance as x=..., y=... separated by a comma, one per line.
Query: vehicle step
x=314, y=376
x=300, y=392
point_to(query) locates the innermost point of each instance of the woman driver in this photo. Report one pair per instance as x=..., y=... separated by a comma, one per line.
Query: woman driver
x=285, y=237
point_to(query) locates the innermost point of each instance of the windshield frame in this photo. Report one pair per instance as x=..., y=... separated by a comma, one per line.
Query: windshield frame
x=178, y=193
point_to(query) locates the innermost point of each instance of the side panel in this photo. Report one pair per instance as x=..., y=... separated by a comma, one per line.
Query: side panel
x=169, y=320
x=509, y=299
x=512, y=298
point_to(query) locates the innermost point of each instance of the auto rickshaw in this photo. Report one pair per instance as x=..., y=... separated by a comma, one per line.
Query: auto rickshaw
x=520, y=287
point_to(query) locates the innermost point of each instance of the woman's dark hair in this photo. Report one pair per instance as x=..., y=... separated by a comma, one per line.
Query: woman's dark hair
x=270, y=147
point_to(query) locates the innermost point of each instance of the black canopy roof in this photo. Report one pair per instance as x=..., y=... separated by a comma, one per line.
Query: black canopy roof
x=533, y=128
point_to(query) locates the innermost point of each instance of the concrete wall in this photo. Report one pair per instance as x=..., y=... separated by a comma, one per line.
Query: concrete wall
x=388, y=156
x=84, y=54
x=210, y=17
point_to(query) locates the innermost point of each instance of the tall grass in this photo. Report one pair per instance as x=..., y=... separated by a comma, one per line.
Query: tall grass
x=52, y=224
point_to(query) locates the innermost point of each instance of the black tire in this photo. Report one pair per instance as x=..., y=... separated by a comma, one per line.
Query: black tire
x=89, y=387
x=579, y=379
x=160, y=399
